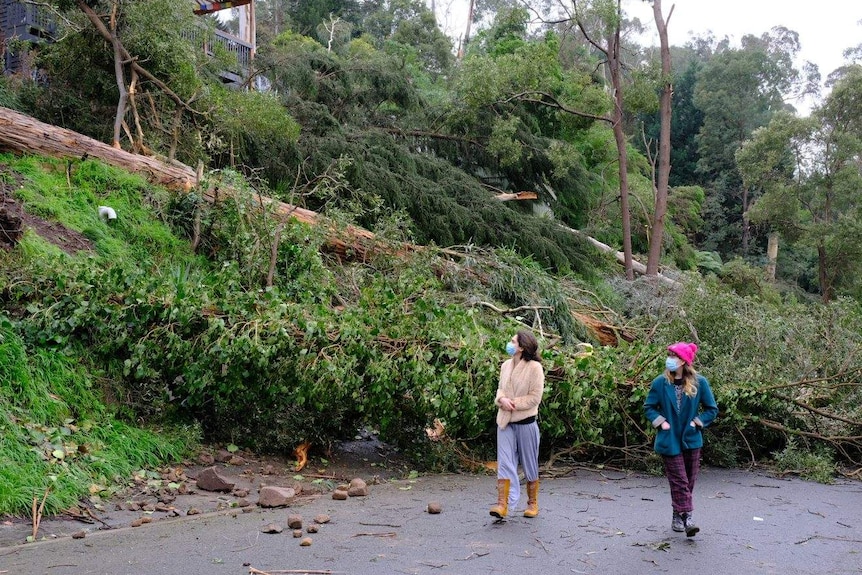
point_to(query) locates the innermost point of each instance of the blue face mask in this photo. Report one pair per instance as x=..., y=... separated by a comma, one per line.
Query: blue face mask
x=510, y=348
x=672, y=364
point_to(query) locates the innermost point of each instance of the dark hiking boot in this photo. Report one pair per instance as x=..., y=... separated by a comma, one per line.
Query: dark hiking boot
x=677, y=524
x=690, y=528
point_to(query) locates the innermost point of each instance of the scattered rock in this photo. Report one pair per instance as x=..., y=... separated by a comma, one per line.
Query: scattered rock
x=311, y=528
x=148, y=507
x=357, y=488
x=223, y=456
x=294, y=521
x=322, y=518
x=166, y=498
x=272, y=528
x=243, y=502
x=210, y=479
x=435, y=507
x=161, y=507
x=267, y=470
x=137, y=522
x=174, y=474
x=305, y=542
x=339, y=495
x=239, y=492
x=79, y=535
x=297, y=533
x=193, y=511
x=133, y=506
x=146, y=519
x=271, y=496
x=206, y=459
x=236, y=460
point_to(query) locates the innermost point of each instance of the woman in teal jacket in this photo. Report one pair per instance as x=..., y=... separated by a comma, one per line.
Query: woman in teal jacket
x=679, y=405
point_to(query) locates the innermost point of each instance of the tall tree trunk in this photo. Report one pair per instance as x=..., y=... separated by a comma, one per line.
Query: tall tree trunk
x=620, y=137
x=746, y=225
x=123, y=100
x=663, y=175
x=466, y=39
x=772, y=255
x=823, y=275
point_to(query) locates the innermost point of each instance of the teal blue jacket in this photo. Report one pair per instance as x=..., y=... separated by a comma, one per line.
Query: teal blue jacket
x=660, y=406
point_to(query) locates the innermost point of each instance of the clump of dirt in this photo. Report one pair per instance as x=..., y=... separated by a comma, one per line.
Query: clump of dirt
x=15, y=220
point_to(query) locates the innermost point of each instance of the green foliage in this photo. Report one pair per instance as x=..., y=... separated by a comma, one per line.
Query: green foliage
x=746, y=280
x=56, y=432
x=250, y=127
x=8, y=96
x=811, y=463
x=765, y=365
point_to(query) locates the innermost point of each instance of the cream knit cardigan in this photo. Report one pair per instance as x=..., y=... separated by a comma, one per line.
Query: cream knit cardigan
x=523, y=382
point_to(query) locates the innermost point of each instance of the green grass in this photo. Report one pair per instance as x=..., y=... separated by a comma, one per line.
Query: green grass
x=71, y=193
x=57, y=433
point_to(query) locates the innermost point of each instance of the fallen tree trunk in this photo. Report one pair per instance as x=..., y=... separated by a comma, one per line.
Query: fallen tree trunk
x=620, y=257
x=23, y=134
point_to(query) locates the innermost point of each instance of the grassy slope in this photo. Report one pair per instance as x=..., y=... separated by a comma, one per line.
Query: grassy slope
x=57, y=431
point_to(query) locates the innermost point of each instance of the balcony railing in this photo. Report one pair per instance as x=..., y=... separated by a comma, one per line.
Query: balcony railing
x=233, y=45
x=219, y=40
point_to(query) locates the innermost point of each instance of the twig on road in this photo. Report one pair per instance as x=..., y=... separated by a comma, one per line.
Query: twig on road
x=253, y=571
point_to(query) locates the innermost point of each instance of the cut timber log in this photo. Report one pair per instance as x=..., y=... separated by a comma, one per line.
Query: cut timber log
x=517, y=196
x=20, y=133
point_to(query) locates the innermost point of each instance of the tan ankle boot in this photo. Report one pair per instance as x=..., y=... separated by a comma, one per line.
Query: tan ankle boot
x=501, y=509
x=532, y=499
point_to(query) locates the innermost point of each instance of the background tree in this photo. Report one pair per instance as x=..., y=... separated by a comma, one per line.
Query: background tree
x=738, y=90
x=819, y=206
x=656, y=239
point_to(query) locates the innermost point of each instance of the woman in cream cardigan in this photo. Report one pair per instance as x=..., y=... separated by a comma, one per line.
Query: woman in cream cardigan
x=522, y=382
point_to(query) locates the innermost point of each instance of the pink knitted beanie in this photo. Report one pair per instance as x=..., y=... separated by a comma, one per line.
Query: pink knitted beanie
x=684, y=350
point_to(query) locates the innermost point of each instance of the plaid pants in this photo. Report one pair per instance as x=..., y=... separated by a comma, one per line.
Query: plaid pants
x=681, y=471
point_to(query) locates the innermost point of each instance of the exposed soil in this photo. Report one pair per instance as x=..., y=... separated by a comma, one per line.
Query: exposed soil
x=15, y=220
x=172, y=492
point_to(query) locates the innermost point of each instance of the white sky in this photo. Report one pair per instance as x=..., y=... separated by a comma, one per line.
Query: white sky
x=826, y=27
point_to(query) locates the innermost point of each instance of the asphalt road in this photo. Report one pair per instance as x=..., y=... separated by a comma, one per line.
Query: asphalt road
x=591, y=522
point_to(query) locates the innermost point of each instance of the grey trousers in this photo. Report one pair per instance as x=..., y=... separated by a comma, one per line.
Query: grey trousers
x=517, y=444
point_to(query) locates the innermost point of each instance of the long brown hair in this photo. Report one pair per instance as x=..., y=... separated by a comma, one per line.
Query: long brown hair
x=529, y=346
x=689, y=377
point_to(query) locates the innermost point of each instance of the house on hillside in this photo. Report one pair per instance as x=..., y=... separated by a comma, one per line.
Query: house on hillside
x=27, y=23
x=24, y=23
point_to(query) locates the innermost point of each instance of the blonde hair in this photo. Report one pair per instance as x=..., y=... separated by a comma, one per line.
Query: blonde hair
x=689, y=376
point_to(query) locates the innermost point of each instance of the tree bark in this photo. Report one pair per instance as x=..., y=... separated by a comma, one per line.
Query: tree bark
x=619, y=135
x=463, y=48
x=662, y=177
x=123, y=100
x=772, y=255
